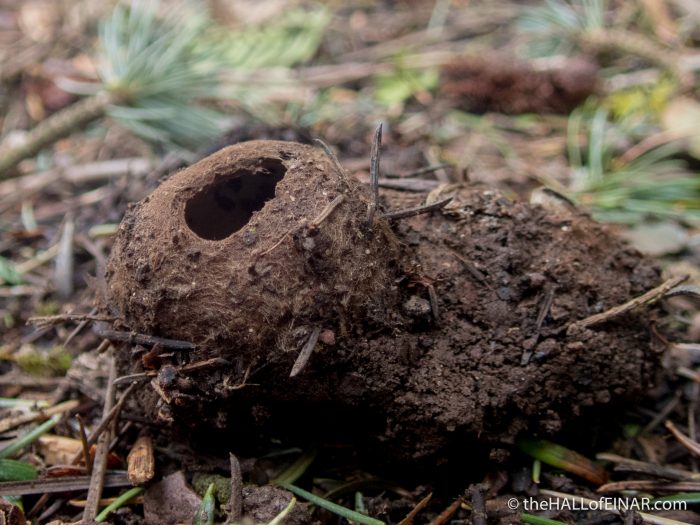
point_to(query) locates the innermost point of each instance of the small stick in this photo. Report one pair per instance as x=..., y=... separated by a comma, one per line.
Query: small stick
x=479, y=515
x=692, y=445
x=410, y=212
x=544, y=309
x=315, y=223
x=329, y=153
x=374, y=174
x=305, y=353
x=141, y=461
x=234, y=507
x=647, y=298
x=51, y=320
x=53, y=485
x=328, y=210
x=78, y=328
x=446, y=514
x=106, y=420
x=12, y=422
x=135, y=378
x=143, y=339
x=420, y=171
x=542, y=314
x=84, y=442
x=623, y=464
x=581, y=501
x=414, y=512
x=214, y=361
x=100, y=462
x=649, y=485
x=432, y=295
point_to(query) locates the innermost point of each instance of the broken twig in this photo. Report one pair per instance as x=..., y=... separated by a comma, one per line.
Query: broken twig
x=305, y=353
x=100, y=462
x=327, y=210
x=645, y=299
x=234, y=507
x=51, y=320
x=143, y=339
x=334, y=158
x=410, y=212
x=53, y=485
x=374, y=174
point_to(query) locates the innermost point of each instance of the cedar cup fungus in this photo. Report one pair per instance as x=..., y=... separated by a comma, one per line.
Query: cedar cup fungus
x=427, y=327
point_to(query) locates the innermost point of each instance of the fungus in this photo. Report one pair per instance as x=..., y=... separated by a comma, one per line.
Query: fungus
x=455, y=317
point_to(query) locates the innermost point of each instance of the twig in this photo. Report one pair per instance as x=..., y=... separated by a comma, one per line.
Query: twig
x=199, y=365
x=192, y=367
x=134, y=378
x=692, y=445
x=305, y=353
x=581, y=501
x=479, y=515
x=374, y=174
x=410, y=212
x=446, y=514
x=664, y=413
x=327, y=210
x=144, y=339
x=85, y=445
x=544, y=309
x=51, y=320
x=64, y=262
x=408, y=520
x=469, y=266
x=53, y=485
x=409, y=184
x=642, y=467
x=51, y=129
x=234, y=507
x=541, y=316
x=12, y=422
x=16, y=189
x=106, y=420
x=420, y=171
x=78, y=329
x=101, y=453
x=434, y=307
x=647, y=298
x=334, y=158
x=650, y=485
x=314, y=223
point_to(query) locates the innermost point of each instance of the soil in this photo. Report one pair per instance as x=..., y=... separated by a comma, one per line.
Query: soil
x=459, y=326
x=501, y=84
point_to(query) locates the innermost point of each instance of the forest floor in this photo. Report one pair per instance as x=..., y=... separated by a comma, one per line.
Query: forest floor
x=585, y=106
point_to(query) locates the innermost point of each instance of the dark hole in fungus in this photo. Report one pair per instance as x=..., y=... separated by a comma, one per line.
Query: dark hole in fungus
x=224, y=207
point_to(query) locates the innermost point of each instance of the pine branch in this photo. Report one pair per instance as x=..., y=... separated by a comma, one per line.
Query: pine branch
x=53, y=128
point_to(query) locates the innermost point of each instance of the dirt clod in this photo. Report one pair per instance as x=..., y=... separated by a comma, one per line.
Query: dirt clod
x=507, y=279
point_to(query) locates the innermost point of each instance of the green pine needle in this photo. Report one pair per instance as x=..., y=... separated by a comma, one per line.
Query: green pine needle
x=118, y=503
x=339, y=510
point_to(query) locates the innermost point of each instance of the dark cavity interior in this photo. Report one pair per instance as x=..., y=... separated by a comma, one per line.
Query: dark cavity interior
x=227, y=205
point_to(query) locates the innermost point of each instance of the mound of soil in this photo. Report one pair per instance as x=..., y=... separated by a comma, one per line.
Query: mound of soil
x=498, y=83
x=457, y=323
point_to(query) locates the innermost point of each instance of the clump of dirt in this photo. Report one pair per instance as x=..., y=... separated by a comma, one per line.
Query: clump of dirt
x=464, y=330
x=502, y=84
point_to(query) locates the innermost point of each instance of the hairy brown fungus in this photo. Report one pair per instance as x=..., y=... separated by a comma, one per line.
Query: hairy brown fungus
x=423, y=327
x=246, y=246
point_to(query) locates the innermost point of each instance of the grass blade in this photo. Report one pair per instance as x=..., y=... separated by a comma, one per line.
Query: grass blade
x=339, y=510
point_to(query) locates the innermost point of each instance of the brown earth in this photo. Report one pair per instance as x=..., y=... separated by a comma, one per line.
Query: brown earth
x=457, y=324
